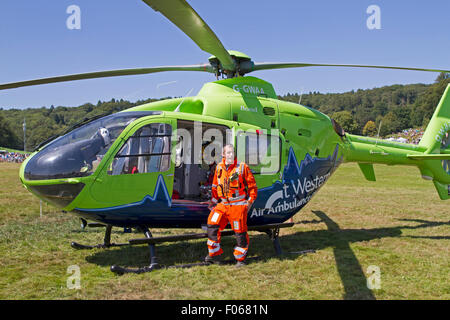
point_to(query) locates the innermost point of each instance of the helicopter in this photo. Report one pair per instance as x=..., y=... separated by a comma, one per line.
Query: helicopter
x=150, y=166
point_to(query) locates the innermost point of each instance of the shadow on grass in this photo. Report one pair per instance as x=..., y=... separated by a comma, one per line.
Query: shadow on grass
x=350, y=271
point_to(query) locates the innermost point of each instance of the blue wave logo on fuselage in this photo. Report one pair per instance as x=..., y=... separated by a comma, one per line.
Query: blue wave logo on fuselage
x=160, y=200
x=297, y=186
x=274, y=204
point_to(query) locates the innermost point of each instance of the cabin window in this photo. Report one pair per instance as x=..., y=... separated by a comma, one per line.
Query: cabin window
x=148, y=150
x=260, y=151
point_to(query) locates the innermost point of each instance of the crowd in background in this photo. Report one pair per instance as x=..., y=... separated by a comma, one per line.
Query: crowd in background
x=412, y=136
x=6, y=156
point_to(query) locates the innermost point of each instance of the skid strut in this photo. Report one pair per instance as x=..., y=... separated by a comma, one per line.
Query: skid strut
x=106, y=241
x=153, y=259
x=274, y=236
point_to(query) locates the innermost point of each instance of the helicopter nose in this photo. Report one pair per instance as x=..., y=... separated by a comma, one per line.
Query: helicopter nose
x=66, y=161
x=42, y=176
x=43, y=172
x=60, y=195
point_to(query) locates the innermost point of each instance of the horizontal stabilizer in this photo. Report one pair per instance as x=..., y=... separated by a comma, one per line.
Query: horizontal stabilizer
x=367, y=170
x=429, y=157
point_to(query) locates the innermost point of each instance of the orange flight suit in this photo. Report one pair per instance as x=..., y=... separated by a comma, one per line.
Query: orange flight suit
x=233, y=190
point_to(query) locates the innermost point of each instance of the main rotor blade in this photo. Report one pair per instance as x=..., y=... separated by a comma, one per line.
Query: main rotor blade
x=184, y=17
x=282, y=65
x=104, y=74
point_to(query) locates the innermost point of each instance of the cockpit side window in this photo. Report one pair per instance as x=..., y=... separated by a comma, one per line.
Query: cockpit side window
x=79, y=152
x=261, y=151
x=147, y=150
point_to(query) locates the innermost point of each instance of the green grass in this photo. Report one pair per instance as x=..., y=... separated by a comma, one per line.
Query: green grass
x=397, y=223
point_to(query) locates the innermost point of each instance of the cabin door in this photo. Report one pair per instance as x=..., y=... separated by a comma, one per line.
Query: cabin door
x=141, y=167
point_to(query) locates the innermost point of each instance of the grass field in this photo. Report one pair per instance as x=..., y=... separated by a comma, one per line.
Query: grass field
x=397, y=224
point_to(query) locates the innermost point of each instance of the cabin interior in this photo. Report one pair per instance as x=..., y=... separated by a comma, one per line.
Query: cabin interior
x=195, y=164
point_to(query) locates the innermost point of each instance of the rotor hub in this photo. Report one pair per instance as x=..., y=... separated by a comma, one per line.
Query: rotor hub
x=243, y=62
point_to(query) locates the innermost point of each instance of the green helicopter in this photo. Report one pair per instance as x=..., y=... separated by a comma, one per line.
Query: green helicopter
x=151, y=165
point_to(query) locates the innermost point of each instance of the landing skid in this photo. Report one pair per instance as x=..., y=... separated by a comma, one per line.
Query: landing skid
x=120, y=270
x=272, y=230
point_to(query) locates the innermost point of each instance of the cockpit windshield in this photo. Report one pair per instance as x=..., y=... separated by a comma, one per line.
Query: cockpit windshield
x=79, y=152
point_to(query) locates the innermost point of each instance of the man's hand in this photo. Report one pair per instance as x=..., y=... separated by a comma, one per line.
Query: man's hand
x=211, y=205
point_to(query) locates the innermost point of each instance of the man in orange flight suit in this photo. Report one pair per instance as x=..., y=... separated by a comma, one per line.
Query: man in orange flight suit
x=233, y=192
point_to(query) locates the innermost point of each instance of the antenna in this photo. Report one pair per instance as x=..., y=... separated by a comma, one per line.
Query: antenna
x=301, y=95
x=378, y=134
x=24, y=134
x=177, y=109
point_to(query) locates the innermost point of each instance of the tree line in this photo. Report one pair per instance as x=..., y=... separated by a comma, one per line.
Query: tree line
x=42, y=123
x=396, y=107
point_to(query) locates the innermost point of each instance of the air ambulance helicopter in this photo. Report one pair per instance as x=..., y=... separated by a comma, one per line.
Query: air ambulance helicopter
x=150, y=166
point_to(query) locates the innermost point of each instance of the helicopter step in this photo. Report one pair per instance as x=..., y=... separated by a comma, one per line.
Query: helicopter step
x=271, y=229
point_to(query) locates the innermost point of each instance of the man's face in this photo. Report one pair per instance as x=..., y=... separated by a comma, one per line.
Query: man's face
x=228, y=154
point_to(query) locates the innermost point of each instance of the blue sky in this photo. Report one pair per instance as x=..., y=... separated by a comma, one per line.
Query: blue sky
x=35, y=42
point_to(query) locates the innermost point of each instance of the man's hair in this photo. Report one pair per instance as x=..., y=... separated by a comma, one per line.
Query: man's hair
x=229, y=145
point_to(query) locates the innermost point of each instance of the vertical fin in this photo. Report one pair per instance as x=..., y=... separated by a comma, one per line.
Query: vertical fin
x=439, y=125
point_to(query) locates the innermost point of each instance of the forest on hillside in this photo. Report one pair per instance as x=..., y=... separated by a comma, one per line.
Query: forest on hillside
x=396, y=107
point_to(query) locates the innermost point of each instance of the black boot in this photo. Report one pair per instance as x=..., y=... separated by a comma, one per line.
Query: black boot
x=213, y=260
x=240, y=264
